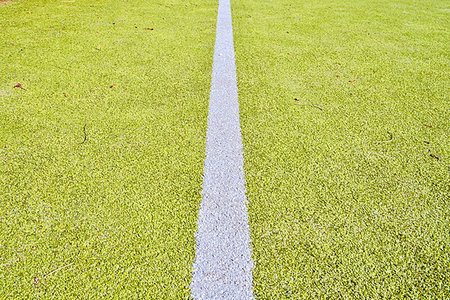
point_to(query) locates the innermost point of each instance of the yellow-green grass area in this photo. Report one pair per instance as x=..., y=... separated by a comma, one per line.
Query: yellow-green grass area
x=102, y=150
x=345, y=115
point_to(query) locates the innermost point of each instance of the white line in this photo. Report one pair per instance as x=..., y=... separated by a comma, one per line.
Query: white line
x=223, y=264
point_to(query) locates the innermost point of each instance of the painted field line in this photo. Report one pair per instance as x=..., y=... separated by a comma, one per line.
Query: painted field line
x=223, y=264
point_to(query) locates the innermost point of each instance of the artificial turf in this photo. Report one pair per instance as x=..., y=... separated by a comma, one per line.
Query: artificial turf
x=345, y=120
x=101, y=146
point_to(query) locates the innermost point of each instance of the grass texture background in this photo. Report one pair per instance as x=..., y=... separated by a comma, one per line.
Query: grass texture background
x=113, y=214
x=345, y=119
x=346, y=125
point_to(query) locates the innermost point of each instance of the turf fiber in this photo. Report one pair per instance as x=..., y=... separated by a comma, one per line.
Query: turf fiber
x=345, y=119
x=102, y=146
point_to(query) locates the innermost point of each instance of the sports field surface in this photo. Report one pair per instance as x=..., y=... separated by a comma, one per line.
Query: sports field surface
x=345, y=123
x=102, y=153
x=345, y=115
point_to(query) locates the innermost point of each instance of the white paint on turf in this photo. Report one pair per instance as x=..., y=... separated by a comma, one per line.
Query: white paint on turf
x=223, y=264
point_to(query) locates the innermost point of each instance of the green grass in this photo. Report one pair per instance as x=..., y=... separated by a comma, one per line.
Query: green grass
x=349, y=185
x=345, y=118
x=114, y=215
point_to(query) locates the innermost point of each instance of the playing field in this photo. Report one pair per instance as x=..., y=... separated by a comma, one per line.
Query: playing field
x=102, y=154
x=345, y=115
x=345, y=120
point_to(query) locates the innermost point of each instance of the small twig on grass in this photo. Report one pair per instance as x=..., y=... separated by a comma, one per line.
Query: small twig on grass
x=436, y=157
x=85, y=134
x=37, y=280
x=312, y=105
x=308, y=104
x=57, y=269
